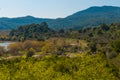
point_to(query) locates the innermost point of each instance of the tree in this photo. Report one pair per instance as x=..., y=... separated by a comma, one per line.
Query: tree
x=90, y=35
x=93, y=47
x=61, y=31
x=32, y=31
x=99, y=32
x=116, y=45
x=105, y=27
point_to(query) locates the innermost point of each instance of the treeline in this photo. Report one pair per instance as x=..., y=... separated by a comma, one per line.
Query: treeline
x=33, y=31
x=101, y=34
x=101, y=39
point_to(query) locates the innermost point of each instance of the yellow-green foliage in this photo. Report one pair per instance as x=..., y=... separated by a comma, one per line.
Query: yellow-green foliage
x=84, y=67
x=116, y=62
x=49, y=47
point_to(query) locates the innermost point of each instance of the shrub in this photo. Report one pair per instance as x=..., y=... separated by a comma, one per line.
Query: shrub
x=116, y=45
x=2, y=50
x=36, y=45
x=30, y=52
x=49, y=47
x=15, y=48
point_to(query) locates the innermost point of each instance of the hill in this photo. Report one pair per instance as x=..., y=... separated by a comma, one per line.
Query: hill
x=92, y=16
x=32, y=31
x=12, y=23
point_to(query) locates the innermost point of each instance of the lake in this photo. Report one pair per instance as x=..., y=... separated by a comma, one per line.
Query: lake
x=6, y=44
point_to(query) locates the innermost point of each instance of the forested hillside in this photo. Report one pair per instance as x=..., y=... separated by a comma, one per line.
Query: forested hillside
x=90, y=17
x=12, y=23
x=32, y=31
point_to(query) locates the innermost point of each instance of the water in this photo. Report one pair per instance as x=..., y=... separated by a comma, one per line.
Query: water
x=5, y=44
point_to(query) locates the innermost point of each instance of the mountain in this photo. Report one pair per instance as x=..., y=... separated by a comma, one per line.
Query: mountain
x=92, y=16
x=11, y=23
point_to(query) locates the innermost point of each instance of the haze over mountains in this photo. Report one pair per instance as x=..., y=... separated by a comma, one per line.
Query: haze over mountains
x=92, y=16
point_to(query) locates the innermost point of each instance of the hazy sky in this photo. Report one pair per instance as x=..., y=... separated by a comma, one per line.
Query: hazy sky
x=48, y=8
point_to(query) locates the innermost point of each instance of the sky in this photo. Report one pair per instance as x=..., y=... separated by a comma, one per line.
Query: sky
x=49, y=8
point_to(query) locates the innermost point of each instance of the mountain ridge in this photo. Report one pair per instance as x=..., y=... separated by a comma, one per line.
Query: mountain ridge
x=92, y=16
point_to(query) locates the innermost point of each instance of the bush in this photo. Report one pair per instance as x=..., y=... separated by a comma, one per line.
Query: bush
x=84, y=67
x=30, y=52
x=2, y=50
x=105, y=27
x=36, y=45
x=15, y=48
x=93, y=47
x=49, y=47
x=116, y=45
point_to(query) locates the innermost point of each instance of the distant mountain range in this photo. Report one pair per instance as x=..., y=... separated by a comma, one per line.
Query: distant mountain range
x=11, y=23
x=92, y=16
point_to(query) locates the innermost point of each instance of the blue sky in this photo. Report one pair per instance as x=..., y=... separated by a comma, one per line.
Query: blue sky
x=48, y=8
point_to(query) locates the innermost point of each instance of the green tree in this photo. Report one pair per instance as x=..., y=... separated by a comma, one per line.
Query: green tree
x=116, y=45
x=93, y=46
x=105, y=27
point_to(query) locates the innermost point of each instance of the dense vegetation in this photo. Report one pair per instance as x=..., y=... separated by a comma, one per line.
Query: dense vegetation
x=99, y=39
x=81, y=67
x=92, y=16
x=42, y=53
x=33, y=31
x=58, y=46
